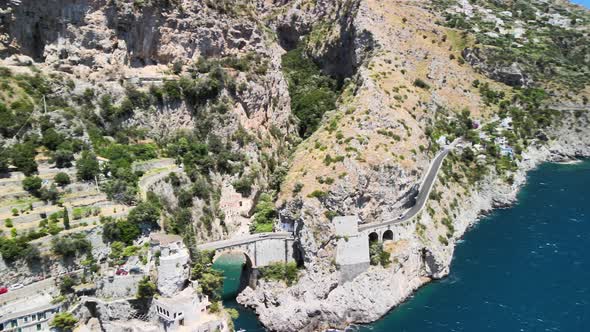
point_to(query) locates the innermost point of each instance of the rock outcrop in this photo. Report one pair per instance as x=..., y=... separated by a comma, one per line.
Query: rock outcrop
x=409, y=80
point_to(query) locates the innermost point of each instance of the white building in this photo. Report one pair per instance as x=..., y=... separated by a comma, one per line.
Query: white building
x=28, y=314
x=187, y=311
x=173, y=268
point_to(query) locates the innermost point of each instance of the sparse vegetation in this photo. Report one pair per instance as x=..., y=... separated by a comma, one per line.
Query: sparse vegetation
x=278, y=271
x=265, y=215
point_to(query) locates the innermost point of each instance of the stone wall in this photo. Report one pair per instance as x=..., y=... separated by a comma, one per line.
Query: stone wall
x=352, y=251
x=118, y=286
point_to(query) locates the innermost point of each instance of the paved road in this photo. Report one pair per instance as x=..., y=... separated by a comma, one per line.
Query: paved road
x=424, y=192
x=569, y=107
x=46, y=285
x=149, y=179
x=421, y=199
x=244, y=240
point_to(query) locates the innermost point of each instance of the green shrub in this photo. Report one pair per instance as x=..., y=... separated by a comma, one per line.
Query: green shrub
x=297, y=187
x=64, y=321
x=23, y=158
x=120, y=230
x=87, y=166
x=32, y=184
x=377, y=255
x=51, y=139
x=146, y=289
x=278, y=271
x=244, y=185
x=144, y=213
x=318, y=194
x=71, y=245
x=265, y=215
x=62, y=179
x=62, y=158
x=421, y=84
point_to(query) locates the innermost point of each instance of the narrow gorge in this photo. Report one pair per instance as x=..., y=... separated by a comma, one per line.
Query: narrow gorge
x=184, y=130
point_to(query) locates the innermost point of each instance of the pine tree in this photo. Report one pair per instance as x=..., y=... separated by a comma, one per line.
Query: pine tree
x=66, y=218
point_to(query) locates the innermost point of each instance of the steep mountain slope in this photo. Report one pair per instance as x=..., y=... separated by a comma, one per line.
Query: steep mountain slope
x=434, y=72
x=213, y=119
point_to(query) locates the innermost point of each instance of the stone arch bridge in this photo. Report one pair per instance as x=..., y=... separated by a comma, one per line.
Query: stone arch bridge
x=259, y=250
x=353, y=244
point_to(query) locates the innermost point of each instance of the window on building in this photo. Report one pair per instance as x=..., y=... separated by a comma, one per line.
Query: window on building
x=14, y=323
x=38, y=327
x=1, y=326
x=26, y=319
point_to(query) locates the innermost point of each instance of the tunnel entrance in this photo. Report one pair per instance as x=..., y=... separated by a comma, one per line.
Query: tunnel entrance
x=373, y=237
x=388, y=235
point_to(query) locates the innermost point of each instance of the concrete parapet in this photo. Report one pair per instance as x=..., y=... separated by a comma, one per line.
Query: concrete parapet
x=352, y=250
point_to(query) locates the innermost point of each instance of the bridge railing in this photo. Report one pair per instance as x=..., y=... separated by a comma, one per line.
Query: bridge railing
x=216, y=245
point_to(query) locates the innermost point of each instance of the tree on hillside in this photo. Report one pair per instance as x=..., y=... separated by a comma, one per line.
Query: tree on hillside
x=51, y=139
x=4, y=160
x=66, y=218
x=63, y=158
x=64, y=321
x=146, y=289
x=23, y=158
x=62, y=179
x=87, y=166
x=145, y=213
x=32, y=184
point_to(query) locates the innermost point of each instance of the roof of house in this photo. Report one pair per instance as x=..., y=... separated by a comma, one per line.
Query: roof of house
x=165, y=239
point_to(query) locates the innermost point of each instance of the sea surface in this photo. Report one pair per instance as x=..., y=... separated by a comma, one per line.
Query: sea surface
x=524, y=268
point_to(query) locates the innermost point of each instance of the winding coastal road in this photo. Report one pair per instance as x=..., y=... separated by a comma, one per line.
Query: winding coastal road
x=421, y=199
x=423, y=193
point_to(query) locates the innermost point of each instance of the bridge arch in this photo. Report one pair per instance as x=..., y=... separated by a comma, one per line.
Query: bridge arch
x=249, y=270
x=373, y=237
x=388, y=235
x=221, y=253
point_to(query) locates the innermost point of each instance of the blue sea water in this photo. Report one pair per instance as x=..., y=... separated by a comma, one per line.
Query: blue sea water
x=524, y=268
x=231, y=266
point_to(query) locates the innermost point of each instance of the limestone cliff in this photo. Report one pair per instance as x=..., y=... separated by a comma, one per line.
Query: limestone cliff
x=109, y=49
x=409, y=76
x=206, y=88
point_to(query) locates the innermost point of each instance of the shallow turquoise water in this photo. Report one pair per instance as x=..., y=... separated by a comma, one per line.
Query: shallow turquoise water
x=231, y=265
x=525, y=268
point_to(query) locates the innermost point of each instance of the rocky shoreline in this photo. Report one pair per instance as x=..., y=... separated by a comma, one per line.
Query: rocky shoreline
x=319, y=301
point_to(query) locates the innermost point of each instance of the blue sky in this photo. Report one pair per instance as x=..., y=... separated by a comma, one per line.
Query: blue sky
x=583, y=2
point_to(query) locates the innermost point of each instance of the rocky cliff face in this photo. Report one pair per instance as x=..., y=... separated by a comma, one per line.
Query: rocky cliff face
x=372, y=151
x=112, y=46
x=410, y=75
